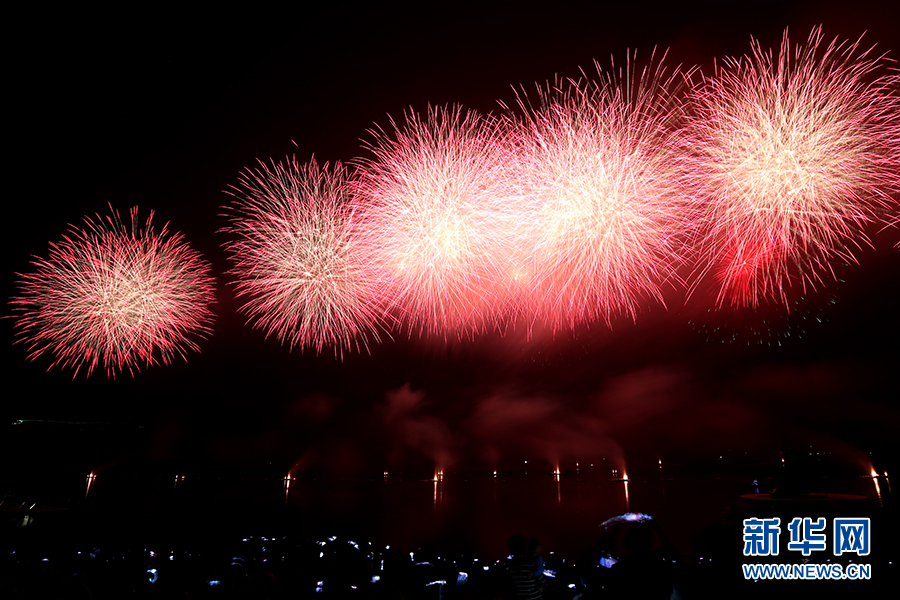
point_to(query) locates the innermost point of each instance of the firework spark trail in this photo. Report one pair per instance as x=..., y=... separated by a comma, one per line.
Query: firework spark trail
x=116, y=297
x=795, y=153
x=437, y=221
x=893, y=222
x=296, y=256
x=603, y=183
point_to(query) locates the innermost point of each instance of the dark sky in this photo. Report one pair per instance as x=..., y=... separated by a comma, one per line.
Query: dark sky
x=163, y=109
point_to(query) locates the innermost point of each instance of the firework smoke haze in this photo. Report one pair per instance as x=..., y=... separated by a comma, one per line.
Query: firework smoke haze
x=296, y=256
x=116, y=297
x=437, y=221
x=795, y=154
x=602, y=181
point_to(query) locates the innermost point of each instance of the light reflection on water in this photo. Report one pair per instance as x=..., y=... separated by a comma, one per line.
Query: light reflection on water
x=90, y=480
x=481, y=511
x=477, y=511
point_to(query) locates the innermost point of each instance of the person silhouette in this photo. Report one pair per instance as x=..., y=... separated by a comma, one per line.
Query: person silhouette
x=640, y=573
x=526, y=584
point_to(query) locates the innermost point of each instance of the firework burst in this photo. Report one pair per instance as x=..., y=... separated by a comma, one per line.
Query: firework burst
x=116, y=297
x=601, y=180
x=437, y=221
x=296, y=256
x=795, y=154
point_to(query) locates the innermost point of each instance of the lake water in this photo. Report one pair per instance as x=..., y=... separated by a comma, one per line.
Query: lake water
x=474, y=511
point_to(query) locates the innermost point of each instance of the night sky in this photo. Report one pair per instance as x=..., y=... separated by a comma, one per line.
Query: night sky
x=163, y=109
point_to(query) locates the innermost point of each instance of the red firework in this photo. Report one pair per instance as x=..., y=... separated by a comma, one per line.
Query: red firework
x=115, y=296
x=601, y=181
x=795, y=154
x=297, y=256
x=437, y=221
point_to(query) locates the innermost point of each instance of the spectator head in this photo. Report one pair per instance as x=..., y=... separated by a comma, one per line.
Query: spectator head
x=517, y=545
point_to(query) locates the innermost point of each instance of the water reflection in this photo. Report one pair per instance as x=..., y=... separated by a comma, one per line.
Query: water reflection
x=482, y=507
x=438, y=488
x=558, y=491
x=877, y=487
